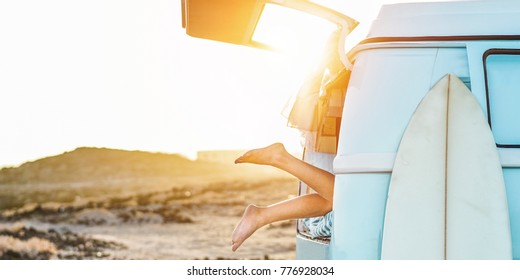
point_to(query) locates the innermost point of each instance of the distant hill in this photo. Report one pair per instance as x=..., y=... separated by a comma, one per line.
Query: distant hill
x=94, y=172
x=92, y=163
x=87, y=164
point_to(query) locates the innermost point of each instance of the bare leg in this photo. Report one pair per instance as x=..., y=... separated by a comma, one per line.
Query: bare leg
x=311, y=205
x=275, y=155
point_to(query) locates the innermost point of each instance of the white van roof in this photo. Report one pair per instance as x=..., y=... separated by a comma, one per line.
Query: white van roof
x=462, y=18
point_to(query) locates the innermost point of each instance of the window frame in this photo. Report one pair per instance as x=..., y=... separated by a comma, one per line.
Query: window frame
x=486, y=54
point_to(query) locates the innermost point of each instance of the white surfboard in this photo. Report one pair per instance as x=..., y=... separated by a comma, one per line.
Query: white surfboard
x=447, y=197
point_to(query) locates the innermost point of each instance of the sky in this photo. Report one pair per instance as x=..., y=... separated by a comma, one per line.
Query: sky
x=123, y=74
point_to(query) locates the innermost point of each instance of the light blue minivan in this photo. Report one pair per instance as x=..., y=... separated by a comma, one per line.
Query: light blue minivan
x=408, y=49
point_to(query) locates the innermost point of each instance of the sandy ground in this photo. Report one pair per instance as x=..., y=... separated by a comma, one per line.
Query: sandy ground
x=161, y=225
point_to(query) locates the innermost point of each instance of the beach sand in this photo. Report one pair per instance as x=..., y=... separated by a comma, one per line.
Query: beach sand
x=192, y=222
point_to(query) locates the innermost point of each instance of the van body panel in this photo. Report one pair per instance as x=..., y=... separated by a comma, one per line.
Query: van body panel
x=373, y=118
x=385, y=87
x=447, y=19
x=359, y=210
x=451, y=60
x=308, y=249
x=512, y=181
x=364, y=163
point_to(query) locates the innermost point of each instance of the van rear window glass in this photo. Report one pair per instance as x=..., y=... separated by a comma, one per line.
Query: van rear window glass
x=502, y=68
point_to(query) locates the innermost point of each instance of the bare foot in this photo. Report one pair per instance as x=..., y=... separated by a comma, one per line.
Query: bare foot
x=269, y=155
x=249, y=223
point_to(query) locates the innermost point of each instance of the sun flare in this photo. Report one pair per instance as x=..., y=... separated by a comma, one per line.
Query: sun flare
x=293, y=32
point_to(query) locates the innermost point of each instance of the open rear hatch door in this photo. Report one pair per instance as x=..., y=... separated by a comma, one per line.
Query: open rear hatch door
x=244, y=22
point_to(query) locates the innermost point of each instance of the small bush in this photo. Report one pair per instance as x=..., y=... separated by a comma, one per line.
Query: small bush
x=32, y=249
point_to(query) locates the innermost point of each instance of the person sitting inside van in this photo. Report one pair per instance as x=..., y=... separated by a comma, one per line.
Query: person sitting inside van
x=306, y=206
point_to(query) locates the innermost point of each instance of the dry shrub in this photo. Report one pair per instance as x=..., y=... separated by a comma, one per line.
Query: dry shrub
x=34, y=248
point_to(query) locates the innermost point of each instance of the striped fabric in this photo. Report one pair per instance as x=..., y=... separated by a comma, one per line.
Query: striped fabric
x=319, y=226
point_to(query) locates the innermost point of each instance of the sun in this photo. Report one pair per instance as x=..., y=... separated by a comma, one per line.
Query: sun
x=294, y=33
